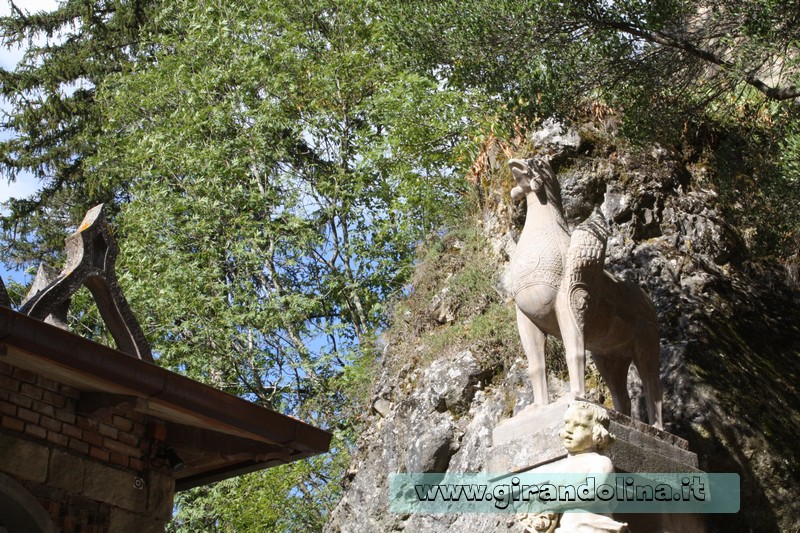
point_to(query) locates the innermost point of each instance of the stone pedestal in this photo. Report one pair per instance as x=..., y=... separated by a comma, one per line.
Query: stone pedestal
x=529, y=442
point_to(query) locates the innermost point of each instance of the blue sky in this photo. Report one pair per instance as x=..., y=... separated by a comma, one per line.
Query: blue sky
x=25, y=184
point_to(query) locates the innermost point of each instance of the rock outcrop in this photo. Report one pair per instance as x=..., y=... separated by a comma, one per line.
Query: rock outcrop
x=730, y=345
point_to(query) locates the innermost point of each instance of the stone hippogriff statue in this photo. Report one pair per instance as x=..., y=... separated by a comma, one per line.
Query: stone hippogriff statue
x=561, y=289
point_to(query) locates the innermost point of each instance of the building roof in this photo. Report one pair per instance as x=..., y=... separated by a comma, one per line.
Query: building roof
x=216, y=434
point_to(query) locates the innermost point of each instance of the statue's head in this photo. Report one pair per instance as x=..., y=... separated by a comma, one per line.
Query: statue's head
x=537, y=176
x=585, y=428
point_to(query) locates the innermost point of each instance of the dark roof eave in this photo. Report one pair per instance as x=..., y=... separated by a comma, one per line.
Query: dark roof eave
x=120, y=373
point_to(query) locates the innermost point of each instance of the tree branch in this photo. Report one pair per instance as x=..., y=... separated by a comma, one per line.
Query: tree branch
x=775, y=93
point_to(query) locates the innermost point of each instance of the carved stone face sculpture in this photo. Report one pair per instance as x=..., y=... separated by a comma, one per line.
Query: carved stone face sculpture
x=585, y=432
x=576, y=435
x=585, y=428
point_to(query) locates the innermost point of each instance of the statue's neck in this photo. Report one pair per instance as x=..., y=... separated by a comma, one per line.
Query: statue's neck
x=543, y=215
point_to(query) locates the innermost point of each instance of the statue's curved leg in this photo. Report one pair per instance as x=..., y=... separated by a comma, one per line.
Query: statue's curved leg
x=614, y=369
x=574, y=345
x=647, y=357
x=533, y=340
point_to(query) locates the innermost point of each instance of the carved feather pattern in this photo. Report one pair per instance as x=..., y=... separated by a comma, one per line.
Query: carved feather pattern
x=587, y=250
x=585, y=259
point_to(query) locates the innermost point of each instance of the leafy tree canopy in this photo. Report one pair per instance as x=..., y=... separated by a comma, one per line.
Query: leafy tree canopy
x=279, y=172
x=557, y=52
x=275, y=173
x=718, y=80
x=53, y=117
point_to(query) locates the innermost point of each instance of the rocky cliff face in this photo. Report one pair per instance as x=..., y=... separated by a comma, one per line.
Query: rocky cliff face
x=730, y=345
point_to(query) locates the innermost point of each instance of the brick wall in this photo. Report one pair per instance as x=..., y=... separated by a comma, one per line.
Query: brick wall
x=89, y=473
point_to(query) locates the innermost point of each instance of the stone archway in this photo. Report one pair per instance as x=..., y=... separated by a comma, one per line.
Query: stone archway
x=20, y=512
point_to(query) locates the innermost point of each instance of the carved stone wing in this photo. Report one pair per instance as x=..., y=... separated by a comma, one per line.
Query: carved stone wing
x=585, y=259
x=91, y=253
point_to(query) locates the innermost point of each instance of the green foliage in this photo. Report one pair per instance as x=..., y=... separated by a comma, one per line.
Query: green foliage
x=269, y=500
x=460, y=268
x=275, y=203
x=84, y=318
x=491, y=46
x=280, y=170
x=750, y=157
x=544, y=56
x=16, y=291
x=55, y=121
x=492, y=333
x=710, y=80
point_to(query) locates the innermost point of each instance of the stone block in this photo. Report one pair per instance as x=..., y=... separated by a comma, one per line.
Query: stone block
x=431, y=451
x=161, y=491
x=23, y=459
x=528, y=439
x=66, y=471
x=114, y=487
x=628, y=457
x=122, y=520
x=530, y=443
x=650, y=438
x=531, y=438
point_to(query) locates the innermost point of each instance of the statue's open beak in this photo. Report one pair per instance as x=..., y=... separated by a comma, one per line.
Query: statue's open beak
x=519, y=169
